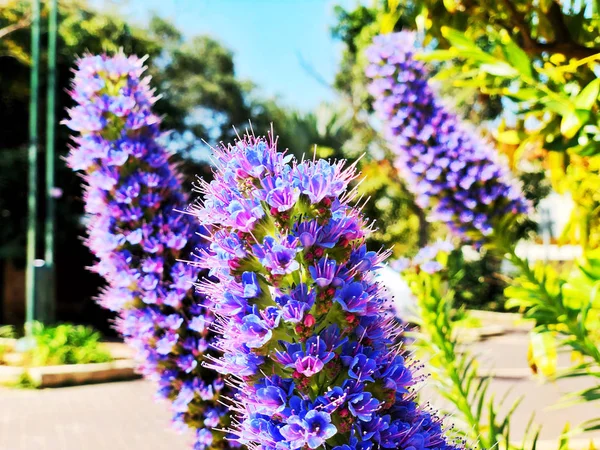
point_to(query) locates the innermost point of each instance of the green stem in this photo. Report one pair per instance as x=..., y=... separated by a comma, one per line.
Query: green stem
x=436, y=331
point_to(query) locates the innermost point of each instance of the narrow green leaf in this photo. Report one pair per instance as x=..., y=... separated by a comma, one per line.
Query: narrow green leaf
x=535, y=439
x=572, y=122
x=588, y=95
x=515, y=55
x=459, y=40
x=563, y=443
x=545, y=5
x=438, y=55
x=450, y=5
x=524, y=94
x=510, y=137
x=500, y=69
x=591, y=425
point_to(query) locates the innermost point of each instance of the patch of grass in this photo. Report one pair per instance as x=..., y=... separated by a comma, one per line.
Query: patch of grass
x=7, y=331
x=63, y=344
x=24, y=382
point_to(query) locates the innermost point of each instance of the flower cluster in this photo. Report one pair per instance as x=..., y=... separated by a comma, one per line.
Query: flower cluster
x=304, y=330
x=139, y=237
x=446, y=165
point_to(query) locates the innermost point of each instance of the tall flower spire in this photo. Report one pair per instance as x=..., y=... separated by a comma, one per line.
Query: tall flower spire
x=446, y=165
x=133, y=199
x=305, y=331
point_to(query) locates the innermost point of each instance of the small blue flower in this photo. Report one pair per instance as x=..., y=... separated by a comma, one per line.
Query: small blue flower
x=363, y=405
x=251, y=286
x=319, y=428
x=352, y=298
x=254, y=331
x=270, y=400
x=278, y=257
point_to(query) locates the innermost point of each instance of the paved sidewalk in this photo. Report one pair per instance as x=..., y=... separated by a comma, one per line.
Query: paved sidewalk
x=112, y=416
x=124, y=416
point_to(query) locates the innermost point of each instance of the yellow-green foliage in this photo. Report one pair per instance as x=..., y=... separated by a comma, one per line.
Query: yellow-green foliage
x=65, y=344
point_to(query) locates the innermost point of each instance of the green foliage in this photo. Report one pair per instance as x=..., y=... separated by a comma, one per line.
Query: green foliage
x=24, y=382
x=566, y=310
x=7, y=331
x=202, y=100
x=540, y=60
x=567, y=306
x=64, y=344
x=454, y=369
x=476, y=281
x=564, y=109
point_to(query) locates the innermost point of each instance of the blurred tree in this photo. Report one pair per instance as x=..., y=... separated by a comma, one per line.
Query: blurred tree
x=202, y=101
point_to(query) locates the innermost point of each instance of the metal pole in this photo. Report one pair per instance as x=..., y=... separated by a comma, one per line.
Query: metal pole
x=32, y=154
x=50, y=126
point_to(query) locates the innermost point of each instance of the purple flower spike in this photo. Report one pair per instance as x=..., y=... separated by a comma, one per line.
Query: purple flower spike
x=304, y=328
x=445, y=164
x=132, y=197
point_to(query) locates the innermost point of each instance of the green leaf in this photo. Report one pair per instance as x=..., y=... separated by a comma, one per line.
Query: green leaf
x=545, y=5
x=544, y=355
x=588, y=95
x=572, y=122
x=558, y=107
x=563, y=443
x=510, y=137
x=478, y=56
x=515, y=55
x=588, y=150
x=591, y=425
x=523, y=94
x=500, y=69
x=450, y=5
x=459, y=40
x=438, y=55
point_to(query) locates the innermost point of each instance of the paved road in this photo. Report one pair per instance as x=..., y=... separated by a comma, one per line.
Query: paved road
x=123, y=416
x=114, y=416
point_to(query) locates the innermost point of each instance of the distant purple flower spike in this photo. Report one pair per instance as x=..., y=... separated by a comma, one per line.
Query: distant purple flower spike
x=305, y=330
x=132, y=196
x=445, y=164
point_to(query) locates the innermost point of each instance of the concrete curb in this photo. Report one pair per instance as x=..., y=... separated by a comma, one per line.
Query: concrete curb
x=10, y=374
x=472, y=335
x=73, y=374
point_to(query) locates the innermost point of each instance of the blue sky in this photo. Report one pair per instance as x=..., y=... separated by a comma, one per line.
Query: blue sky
x=269, y=39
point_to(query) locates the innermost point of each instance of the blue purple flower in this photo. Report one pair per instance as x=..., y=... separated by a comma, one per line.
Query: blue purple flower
x=305, y=330
x=445, y=164
x=132, y=197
